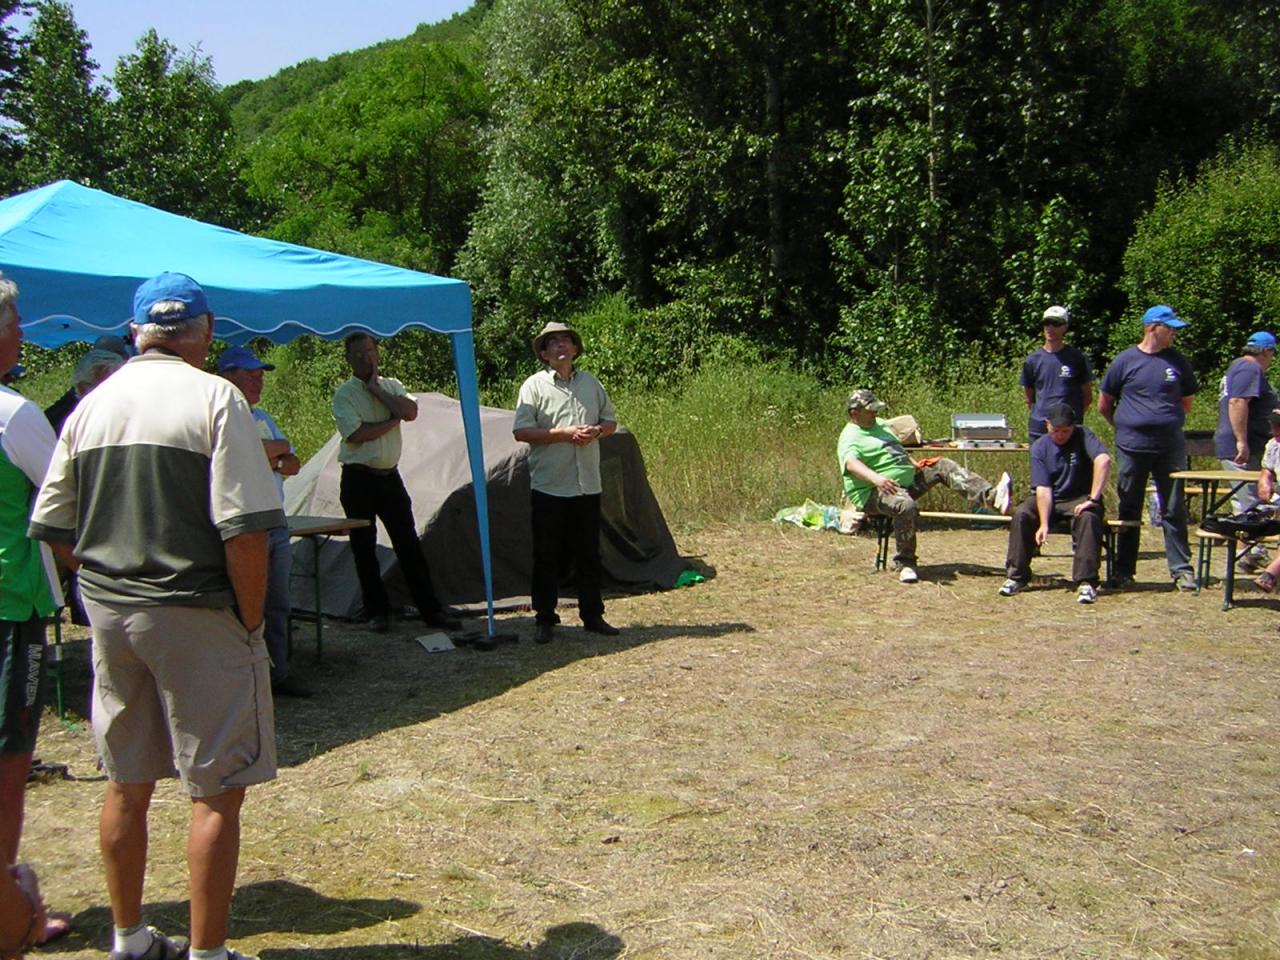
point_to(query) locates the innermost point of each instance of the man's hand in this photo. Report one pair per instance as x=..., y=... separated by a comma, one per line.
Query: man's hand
x=1081, y=507
x=1242, y=452
x=1042, y=534
x=583, y=434
x=887, y=486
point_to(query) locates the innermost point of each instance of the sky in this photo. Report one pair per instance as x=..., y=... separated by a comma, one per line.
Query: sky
x=252, y=39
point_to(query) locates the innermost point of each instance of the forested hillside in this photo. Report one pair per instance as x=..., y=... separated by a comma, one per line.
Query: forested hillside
x=864, y=190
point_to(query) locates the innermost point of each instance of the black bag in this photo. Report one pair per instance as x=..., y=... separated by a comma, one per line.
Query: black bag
x=1251, y=525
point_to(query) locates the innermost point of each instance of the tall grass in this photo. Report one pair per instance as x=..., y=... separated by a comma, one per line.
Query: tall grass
x=736, y=440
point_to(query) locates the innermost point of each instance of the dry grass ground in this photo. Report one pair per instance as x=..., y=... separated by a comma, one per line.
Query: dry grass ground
x=799, y=759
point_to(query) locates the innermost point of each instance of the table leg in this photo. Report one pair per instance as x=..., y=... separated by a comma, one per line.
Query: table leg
x=1229, y=581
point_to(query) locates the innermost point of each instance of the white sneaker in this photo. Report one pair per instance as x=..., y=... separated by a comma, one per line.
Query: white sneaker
x=1086, y=593
x=907, y=575
x=1003, y=497
x=1011, y=586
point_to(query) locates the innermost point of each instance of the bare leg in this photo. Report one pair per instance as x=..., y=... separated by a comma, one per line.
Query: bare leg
x=213, y=854
x=122, y=835
x=13, y=791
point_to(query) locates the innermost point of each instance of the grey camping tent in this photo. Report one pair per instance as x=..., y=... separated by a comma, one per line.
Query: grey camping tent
x=636, y=546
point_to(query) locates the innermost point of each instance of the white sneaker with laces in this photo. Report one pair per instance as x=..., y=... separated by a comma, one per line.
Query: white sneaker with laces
x=1003, y=497
x=1010, y=587
x=1086, y=593
x=907, y=575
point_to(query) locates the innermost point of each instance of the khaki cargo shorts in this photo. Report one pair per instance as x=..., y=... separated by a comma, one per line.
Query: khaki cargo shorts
x=182, y=691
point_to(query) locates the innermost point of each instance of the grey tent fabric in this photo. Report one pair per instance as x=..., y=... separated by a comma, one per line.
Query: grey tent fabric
x=636, y=546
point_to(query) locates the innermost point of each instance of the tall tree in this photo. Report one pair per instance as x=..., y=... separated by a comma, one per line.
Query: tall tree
x=9, y=47
x=58, y=106
x=386, y=163
x=171, y=142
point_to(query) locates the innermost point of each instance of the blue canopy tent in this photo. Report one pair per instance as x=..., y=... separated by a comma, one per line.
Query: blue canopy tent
x=77, y=255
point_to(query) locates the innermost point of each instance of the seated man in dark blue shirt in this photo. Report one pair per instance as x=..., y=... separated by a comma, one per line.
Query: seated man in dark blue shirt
x=1069, y=469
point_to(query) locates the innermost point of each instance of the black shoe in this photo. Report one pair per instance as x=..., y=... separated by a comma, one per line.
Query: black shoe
x=381, y=623
x=442, y=620
x=545, y=633
x=289, y=688
x=485, y=642
x=601, y=626
x=1119, y=581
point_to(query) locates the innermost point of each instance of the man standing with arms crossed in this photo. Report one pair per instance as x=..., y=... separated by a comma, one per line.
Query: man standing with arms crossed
x=563, y=413
x=1146, y=395
x=159, y=494
x=368, y=409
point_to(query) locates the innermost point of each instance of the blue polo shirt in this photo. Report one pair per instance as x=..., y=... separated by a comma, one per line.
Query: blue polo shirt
x=1244, y=380
x=1068, y=468
x=1149, y=388
x=1055, y=378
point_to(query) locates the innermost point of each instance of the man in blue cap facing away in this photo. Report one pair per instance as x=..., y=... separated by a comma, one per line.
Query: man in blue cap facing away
x=158, y=493
x=1146, y=394
x=243, y=368
x=1245, y=402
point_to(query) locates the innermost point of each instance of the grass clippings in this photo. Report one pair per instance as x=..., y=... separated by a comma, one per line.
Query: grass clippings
x=799, y=758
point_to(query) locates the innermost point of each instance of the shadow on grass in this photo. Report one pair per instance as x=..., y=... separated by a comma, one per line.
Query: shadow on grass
x=258, y=908
x=570, y=941
x=369, y=683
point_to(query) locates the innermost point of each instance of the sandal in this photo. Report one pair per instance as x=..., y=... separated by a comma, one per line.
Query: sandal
x=1266, y=582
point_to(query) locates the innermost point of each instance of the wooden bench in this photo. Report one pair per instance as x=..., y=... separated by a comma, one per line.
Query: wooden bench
x=1204, y=558
x=883, y=527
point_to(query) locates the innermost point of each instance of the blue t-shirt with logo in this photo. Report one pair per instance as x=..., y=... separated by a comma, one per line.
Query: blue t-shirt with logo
x=1068, y=468
x=1149, y=388
x=1056, y=378
x=1244, y=380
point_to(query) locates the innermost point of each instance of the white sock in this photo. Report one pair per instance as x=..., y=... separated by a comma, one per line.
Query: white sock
x=134, y=941
x=214, y=953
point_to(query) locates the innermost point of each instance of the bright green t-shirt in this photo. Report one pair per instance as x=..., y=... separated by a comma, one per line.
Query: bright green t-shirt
x=876, y=447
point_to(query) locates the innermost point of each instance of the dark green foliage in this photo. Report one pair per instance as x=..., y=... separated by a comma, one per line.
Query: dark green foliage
x=1210, y=248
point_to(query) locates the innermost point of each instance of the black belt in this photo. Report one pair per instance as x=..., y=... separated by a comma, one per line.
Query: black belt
x=376, y=471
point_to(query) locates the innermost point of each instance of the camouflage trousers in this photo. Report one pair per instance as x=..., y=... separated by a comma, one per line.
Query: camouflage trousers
x=901, y=506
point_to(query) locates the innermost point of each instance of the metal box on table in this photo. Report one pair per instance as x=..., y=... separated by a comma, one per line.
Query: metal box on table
x=979, y=427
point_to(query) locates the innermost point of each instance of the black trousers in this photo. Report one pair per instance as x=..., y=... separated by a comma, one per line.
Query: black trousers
x=1087, y=530
x=566, y=532
x=371, y=496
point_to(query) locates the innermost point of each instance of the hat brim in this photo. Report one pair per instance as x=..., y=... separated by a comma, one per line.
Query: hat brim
x=540, y=341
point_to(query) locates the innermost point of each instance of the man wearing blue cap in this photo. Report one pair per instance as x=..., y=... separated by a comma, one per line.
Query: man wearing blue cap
x=158, y=493
x=243, y=368
x=1146, y=394
x=1245, y=402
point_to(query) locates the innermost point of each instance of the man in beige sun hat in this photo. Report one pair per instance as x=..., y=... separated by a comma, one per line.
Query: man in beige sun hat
x=563, y=413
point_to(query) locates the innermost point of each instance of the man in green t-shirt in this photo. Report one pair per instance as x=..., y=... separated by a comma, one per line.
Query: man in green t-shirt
x=879, y=477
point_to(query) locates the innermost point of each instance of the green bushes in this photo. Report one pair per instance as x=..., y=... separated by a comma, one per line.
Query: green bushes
x=1210, y=248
